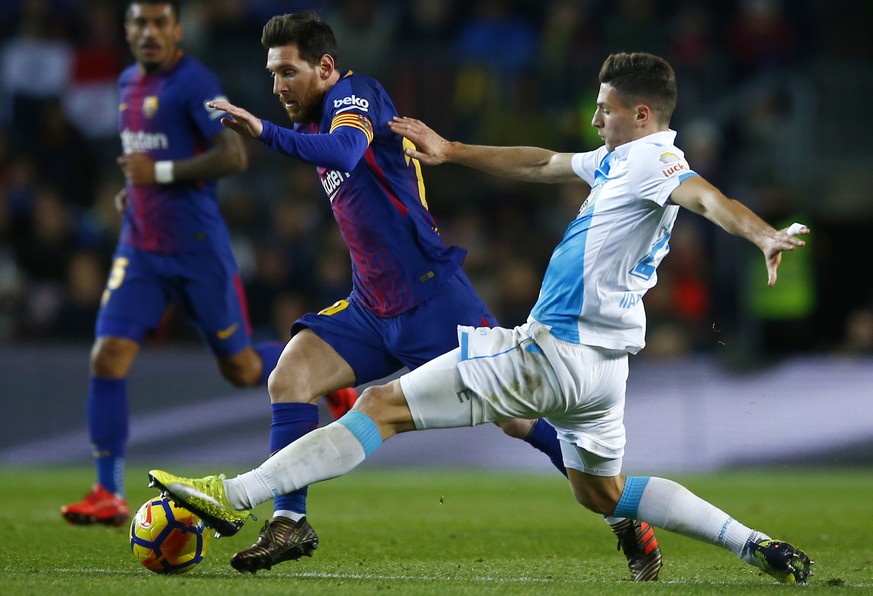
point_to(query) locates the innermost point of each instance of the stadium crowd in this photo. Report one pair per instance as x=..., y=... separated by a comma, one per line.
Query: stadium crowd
x=498, y=72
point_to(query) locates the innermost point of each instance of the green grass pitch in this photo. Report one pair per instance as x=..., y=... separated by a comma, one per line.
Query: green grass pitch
x=435, y=531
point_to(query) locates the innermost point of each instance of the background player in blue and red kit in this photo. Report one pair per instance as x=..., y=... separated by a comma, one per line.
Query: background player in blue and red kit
x=174, y=245
x=409, y=290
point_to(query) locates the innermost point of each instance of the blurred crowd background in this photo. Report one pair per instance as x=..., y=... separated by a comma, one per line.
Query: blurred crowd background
x=772, y=109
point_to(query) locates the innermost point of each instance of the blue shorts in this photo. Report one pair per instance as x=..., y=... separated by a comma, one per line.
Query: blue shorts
x=376, y=347
x=206, y=285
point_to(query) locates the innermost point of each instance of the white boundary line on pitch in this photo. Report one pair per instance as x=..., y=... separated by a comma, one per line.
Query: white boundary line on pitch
x=519, y=580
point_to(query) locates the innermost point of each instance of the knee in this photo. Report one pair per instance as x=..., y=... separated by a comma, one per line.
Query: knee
x=288, y=386
x=373, y=400
x=386, y=407
x=516, y=428
x=111, y=357
x=277, y=385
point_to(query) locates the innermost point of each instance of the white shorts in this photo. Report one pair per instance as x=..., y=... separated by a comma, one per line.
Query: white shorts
x=498, y=374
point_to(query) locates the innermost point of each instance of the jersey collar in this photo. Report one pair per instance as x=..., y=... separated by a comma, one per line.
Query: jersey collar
x=662, y=137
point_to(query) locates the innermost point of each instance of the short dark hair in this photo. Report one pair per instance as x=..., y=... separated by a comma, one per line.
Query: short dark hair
x=314, y=37
x=174, y=4
x=642, y=77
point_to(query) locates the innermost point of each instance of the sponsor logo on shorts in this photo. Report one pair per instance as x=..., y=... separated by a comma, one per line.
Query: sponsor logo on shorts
x=225, y=333
x=334, y=308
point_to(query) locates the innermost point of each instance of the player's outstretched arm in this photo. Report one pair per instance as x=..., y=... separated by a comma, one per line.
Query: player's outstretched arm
x=530, y=164
x=240, y=120
x=701, y=197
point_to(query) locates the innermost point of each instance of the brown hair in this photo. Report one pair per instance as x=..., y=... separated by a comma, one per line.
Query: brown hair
x=314, y=37
x=174, y=4
x=641, y=77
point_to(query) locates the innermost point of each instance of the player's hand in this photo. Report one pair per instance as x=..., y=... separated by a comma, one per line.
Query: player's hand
x=781, y=241
x=240, y=120
x=121, y=200
x=138, y=168
x=430, y=148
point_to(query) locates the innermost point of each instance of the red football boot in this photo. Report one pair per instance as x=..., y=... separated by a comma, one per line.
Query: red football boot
x=637, y=540
x=341, y=401
x=97, y=507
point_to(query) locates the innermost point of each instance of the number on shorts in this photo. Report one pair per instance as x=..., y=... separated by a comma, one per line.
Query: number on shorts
x=116, y=276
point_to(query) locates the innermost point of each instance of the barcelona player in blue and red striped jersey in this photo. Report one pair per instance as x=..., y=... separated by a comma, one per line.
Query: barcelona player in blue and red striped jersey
x=409, y=290
x=174, y=244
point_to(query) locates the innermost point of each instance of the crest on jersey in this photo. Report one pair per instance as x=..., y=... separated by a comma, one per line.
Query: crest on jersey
x=149, y=105
x=365, y=123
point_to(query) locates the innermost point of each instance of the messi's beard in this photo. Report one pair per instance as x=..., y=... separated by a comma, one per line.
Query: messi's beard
x=308, y=112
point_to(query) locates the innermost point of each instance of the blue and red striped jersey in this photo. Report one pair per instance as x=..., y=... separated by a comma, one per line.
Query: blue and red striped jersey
x=164, y=115
x=398, y=257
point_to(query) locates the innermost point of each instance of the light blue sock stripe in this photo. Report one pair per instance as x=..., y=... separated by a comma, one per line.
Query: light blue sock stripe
x=364, y=430
x=630, y=497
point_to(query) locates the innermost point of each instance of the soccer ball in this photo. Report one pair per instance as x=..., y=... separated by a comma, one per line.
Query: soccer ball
x=166, y=538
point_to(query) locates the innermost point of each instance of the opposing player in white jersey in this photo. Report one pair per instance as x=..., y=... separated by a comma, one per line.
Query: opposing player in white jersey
x=569, y=362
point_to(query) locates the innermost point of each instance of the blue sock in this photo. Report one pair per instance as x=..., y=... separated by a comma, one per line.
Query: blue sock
x=269, y=351
x=107, y=425
x=629, y=502
x=543, y=437
x=364, y=430
x=290, y=422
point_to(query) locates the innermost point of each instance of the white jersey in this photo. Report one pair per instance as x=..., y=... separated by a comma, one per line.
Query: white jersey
x=593, y=288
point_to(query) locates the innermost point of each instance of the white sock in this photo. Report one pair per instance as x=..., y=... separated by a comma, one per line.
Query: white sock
x=320, y=455
x=671, y=506
x=292, y=515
